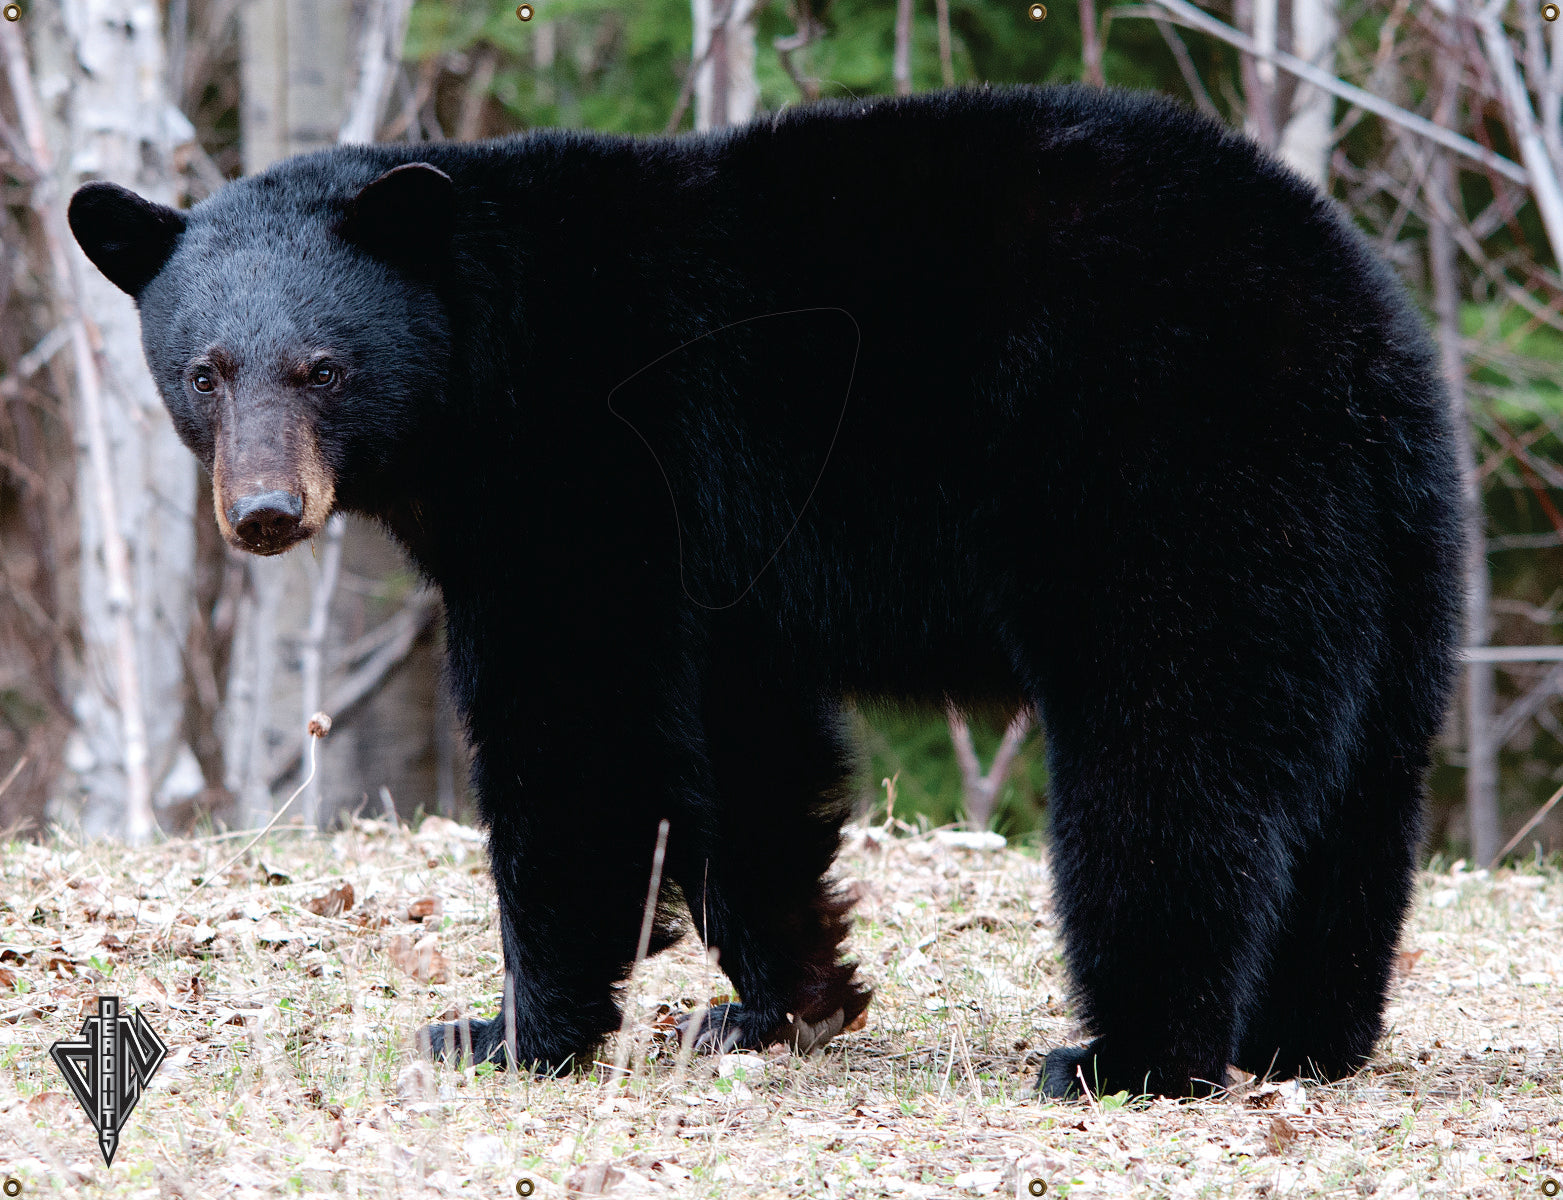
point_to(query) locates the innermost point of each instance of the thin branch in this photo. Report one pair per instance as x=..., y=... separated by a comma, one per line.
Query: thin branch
x=1184, y=13
x=1526, y=828
x=1522, y=122
x=1514, y=718
x=648, y=916
x=10, y=776
x=405, y=629
x=1186, y=68
x=319, y=726
x=33, y=361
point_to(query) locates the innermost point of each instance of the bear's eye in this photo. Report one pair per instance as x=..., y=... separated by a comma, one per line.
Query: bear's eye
x=203, y=382
x=323, y=375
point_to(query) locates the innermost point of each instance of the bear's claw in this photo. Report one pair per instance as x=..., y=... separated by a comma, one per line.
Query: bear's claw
x=729, y=1027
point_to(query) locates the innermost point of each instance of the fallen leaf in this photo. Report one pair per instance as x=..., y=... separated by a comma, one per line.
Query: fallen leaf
x=594, y=1179
x=981, y=920
x=334, y=903
x=416, y=1082
x=427, y=906
x=1281, y=1134
x=275, y=875
x=422, y=960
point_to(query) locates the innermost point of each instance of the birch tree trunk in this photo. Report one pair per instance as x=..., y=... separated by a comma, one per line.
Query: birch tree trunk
x=1305, y=138
x=1257, y=18
x=295, y=64
x=726, y=91
x=106, y=56
x=308, y=84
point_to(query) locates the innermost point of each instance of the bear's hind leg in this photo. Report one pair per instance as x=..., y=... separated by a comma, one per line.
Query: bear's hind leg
x=752, y=865
x=1175, y=811
x=1320, y=1010
x=1169, y=900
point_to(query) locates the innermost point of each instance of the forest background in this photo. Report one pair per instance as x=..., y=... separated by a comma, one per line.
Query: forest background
x=151, y=678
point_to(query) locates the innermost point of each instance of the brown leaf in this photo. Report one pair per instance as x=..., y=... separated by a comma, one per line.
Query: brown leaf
x=1406, y=960
x=336, y=1134
x=191, y=988
x=858, y=1022
x=1238, y=1081
x=7, y=977
x=423, y=960
x=1281, y=1134
x=594, y=1179
x=427, y=906
x=334, y=903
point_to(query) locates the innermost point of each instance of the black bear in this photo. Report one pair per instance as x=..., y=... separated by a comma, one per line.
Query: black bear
x=1051, y=396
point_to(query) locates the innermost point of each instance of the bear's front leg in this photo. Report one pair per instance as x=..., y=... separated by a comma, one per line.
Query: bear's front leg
x=571, y=891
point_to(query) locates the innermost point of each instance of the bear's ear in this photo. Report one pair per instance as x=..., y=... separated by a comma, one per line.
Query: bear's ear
x=405, y=216
x=127, y=238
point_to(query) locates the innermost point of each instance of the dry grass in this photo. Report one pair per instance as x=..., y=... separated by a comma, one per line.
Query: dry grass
x=290, y=1038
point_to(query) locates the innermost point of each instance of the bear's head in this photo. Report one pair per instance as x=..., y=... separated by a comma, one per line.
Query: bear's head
x=294, y=327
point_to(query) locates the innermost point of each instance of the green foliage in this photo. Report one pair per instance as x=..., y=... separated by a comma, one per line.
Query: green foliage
x=914, y=747
x=619, y=68
x=1510, y=340
x=615, y=67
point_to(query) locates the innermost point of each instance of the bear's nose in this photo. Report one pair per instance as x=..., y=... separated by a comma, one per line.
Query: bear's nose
x=267, y=518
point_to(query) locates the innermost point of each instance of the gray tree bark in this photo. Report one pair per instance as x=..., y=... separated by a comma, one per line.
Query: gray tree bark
x=726, y=91
x=1305, y=138
x=1481, y=746
x=106, y=57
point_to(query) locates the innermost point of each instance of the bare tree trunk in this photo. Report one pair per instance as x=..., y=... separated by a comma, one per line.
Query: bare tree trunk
x=295, y=82
x=981, y=791
x=379, y=53
x=313, y=651
x=1306, y=139
x=1481, y=747
x=1090, y=44
x=901, y=68
x=135, y=480
x=946, y=61
x=1257, y=93
x=251, y=672
x=725, y=89
x=297, y=59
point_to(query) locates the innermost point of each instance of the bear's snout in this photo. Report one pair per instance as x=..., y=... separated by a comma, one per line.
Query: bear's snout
x=267, y=522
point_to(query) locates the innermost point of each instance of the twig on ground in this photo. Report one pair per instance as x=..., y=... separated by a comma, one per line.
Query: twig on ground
x=319, y=726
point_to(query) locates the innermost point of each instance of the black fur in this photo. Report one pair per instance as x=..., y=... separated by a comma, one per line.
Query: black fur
x=1138, y=431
